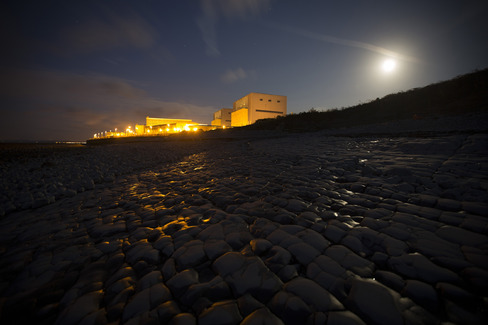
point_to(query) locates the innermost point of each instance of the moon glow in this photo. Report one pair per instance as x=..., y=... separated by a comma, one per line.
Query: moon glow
x=388, y=65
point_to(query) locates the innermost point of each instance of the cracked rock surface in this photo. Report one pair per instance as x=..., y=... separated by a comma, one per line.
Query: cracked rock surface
x=302, y=229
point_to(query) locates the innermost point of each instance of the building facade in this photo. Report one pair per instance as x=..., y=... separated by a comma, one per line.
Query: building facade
x=222, y=117
x=164, y=126
x=171, y=122
x=256, y=106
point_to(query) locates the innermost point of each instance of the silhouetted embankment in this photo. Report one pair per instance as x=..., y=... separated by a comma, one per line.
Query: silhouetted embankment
x=464, y=94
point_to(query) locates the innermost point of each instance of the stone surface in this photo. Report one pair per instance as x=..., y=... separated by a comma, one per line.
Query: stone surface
x=284, y=229
x=375, y=303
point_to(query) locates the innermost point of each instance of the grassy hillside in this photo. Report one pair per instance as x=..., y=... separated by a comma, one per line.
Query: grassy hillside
x=464, y=94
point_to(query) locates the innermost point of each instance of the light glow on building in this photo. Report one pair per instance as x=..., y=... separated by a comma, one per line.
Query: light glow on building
x=246, y=110
x=157, y=127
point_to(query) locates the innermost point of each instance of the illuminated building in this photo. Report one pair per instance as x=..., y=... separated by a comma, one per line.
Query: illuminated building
x=222, y=117
x=158, y=126
x=247, y=110
x=172, y=122
x=257, y=106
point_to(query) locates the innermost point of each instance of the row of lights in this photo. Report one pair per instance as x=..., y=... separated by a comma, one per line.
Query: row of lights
x=130, y=132
x=104, y=134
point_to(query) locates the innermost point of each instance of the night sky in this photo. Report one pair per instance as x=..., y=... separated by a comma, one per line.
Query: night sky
x=73, y=68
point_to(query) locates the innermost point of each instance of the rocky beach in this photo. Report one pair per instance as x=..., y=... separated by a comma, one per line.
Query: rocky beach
x=310, y=228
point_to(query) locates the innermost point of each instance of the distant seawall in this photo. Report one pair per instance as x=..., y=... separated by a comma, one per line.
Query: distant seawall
x=221, y=135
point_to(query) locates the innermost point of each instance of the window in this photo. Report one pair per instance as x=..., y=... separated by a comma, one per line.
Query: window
x=260, y=99
x=279, y=101
x=269, y=100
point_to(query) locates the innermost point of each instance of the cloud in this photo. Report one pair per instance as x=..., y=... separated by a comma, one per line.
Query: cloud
x=213, y=10
x=231, y=76
x=114, y=32
x=342, y=41
x=50, y=84
x=47, y=104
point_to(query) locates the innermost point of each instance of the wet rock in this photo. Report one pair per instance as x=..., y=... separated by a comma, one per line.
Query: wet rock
x=334, y=233
x=248, y=304
x=390, y=279
x=143, y=250
x=262, y=316
x=277, y=258
x=247, y=275
x=455, y=294
x=150, y=279
x=295, y=206
x=260, y=246
x=421, y=293
x=417, y=266
x=349, y=260
x=120, y=286
x=224, y=312
x=290, y=308
x=343, y=318
x=179, y=283
x=80, y=308
x=461, y=236
x=167, y=310
x=374, y=303
x=190, y=254
x=215, y=231
x=314, y=239
x=183, y=319
x=165, y=245
x=214, y=248
x=313, y=294
x=303, y=252
x=169, y=269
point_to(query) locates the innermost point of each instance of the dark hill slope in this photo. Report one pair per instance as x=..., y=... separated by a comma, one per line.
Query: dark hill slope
x=464, y=94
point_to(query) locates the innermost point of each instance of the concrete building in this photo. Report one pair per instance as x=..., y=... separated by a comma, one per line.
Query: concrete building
x=257, y=106
x=165, y=126
x=222, y=117
x=170, y=122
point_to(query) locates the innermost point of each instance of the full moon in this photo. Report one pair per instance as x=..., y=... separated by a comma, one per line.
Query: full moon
x=388, y=65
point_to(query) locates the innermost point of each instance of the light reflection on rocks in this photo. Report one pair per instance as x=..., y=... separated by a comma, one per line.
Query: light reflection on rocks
x=248, y=230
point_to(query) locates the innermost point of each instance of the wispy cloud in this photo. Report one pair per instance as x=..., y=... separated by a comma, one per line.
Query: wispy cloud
x=342, y=41
x=49, y=84
x=233, y=75
x=46, y=104
x=213, y=10
x=115, y=31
